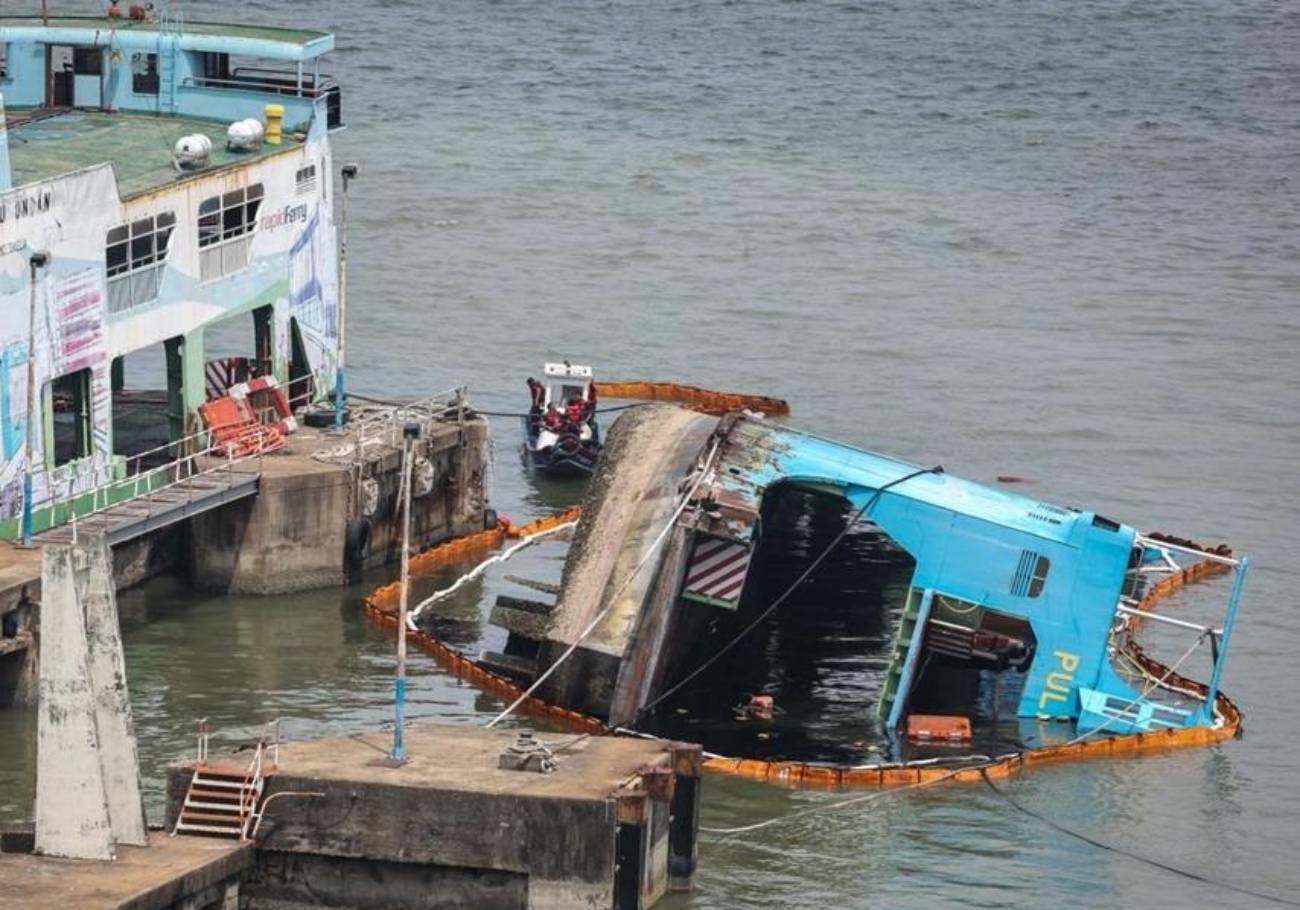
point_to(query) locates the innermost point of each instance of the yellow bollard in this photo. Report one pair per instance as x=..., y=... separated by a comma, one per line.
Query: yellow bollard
x=274, y=123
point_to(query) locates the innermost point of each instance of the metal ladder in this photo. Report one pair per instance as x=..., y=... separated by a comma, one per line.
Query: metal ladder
x=170, y=27
x=221, y=803
x=903, y=658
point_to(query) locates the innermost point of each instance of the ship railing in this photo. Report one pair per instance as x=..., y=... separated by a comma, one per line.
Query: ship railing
x=384, y=424
x=296, y=83
x=198, y=457
x=1155, y=562
x=273, y=82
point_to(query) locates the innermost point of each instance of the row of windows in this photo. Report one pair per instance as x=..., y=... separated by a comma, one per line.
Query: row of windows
x=134, y=253
x=305, y=180
x=133, y=257
x=229, y=215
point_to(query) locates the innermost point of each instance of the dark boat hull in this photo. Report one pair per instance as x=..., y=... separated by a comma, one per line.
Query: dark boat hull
x=568, y=458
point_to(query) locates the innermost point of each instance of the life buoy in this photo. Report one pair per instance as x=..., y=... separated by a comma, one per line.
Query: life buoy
x=369, y=496
x=423, y=476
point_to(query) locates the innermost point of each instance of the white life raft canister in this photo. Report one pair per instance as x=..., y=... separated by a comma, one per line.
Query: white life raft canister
x=244, y=135
x=192, y=151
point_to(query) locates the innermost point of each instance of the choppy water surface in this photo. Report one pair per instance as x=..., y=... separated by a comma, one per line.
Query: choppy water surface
x=1056, y=240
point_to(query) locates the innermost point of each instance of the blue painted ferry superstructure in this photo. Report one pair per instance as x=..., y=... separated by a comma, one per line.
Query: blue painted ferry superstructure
x=1000, y=580
x=114, y=248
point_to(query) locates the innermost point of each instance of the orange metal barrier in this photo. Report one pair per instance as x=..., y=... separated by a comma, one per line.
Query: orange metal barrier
x=802, y=774
x=697, y=399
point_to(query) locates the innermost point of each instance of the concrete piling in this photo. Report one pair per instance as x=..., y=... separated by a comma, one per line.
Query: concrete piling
x=88, y=773
x=71, y=800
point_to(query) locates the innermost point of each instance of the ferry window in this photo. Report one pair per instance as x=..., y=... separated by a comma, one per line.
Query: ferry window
x=144, y=74
x=87, y=61
x=1039, y=578
x=134, y=255
x=215, y=65
x=225, y=228
x=305, y=180
x=68, y=405
x=4, y=60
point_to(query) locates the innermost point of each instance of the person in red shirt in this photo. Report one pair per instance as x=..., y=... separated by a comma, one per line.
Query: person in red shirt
x=575, y=413
x=554, y=420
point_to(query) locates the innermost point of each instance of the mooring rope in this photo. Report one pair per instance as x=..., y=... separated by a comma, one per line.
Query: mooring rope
x=1110, y=848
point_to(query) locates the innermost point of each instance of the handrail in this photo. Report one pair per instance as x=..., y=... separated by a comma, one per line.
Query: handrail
x=388, y=422
x=148, y=495
x=287, y=87
x=1167, y=620
x=251, y=789
x=137, y=457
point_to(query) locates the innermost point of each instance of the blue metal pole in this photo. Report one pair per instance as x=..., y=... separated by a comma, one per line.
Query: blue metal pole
x=399, y=714
x=27, y=505
x=409, y=434
x=1229, y=620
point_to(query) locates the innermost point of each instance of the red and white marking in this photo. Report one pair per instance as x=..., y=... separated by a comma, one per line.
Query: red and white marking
x=220, y=374
x=285, y=422
x=717, y=569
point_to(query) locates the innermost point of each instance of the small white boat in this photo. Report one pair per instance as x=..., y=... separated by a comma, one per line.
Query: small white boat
x=561, y=436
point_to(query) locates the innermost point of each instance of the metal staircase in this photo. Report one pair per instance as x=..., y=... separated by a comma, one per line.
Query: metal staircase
x=226, y=803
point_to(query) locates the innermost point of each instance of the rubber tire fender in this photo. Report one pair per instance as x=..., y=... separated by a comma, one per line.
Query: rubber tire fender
x=356, y=540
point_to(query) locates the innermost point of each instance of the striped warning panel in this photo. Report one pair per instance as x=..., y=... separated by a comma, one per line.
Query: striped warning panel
x=717, y=570
x=220, y=374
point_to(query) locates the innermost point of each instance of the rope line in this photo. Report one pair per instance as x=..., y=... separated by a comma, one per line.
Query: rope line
x=852, y=801
x=1142, y=697
x=1120, y=851
x=481, y=568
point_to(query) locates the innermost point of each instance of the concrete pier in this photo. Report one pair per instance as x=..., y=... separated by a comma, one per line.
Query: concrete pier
x=171, y=873
x=326, y=510
x=613, y=826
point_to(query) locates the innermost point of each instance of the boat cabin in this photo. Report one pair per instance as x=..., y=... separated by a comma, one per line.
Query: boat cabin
x=565, y=382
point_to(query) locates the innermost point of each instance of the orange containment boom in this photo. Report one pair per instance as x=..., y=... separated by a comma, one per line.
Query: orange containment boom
x=464, y=549
x=697, y=399
x=380, y=607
